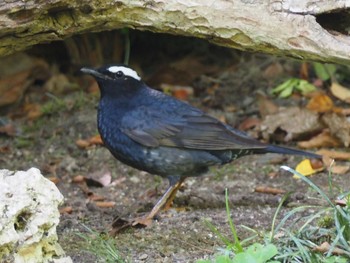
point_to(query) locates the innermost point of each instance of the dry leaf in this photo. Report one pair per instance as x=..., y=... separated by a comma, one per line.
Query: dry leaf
x=66, y=210
x=105, y=204
x=99, y=178
x=325, y=247
x=78, y=179
x=94, y=140
x=59, y=84
x=32, y=110
x=95, y=197
x=339, y=127
x=93, y=88
x=273, y=71
x=323, y=139
x=294, y=121
x=320, y=103
x=340, y=92
x=265, y=105
x=341, y=202
x=327, y=161
x=317, y=164
x=248, y=124
x=82, y=143
x=179, y=92
x=337, y=155
x=9, y=129
x=305, y=168
x=339, y=169
x=54, y=179
x=5, y=149
x=269, y=190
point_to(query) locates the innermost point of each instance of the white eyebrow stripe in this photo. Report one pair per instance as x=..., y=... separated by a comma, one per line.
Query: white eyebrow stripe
x=127, y=71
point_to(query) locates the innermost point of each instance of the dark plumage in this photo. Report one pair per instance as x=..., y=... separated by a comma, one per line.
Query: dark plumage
x=153, y=132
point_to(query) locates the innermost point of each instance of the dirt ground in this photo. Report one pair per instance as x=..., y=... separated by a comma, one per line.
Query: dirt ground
x=180, y=234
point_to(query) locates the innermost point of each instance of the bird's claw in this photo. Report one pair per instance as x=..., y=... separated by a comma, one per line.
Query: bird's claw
x=142, y=222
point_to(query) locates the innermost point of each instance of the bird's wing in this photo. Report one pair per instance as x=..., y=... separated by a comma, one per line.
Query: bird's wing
x=190, y=129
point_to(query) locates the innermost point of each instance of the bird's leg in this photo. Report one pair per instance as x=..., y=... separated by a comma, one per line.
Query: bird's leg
x=165, y=200
x=170, y=200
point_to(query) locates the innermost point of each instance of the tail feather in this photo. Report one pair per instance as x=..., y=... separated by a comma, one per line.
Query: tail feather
x=285, y=150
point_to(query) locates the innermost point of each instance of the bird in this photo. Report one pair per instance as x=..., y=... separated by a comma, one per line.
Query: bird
x=157, y=133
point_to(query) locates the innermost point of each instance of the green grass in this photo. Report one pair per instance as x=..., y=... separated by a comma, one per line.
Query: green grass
x=102, y=246
x=298, y=235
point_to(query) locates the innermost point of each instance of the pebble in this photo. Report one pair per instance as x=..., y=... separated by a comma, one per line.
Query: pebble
x=143, y=257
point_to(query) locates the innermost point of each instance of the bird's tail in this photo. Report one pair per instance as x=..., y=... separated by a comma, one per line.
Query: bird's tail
x=285, y=150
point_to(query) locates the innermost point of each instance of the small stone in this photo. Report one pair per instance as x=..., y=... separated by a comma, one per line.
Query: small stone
x=143, y=257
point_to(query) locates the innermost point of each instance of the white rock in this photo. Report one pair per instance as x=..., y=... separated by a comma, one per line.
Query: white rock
x=28, y=218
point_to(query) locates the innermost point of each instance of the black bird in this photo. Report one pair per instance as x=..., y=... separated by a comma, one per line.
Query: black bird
x=156, y=133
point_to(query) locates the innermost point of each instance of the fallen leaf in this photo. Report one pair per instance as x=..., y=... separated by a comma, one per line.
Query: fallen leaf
x=345, y=112
x=179, y=92
x=93, y=88
x=340, y=92
x=82, y=143
x=337, y=155
x=66, y=210
x=95, y=197
x=272, y=174
x=105, y=204
x=32, y=110
x=95, y=140
x=54, y=179
x=305, y=168
x=269, y=190
x=12, y=87
x=222, y=118
x=339, y=127
x=5, y=149
x=323, y=139
x=265, y=105
x=78, y=179
x=320, y=103
x=8, y=129
x=59, y=84
x=85, y=143
x=327, y=161
x=230, y=108
x=317, y=164
x=293, y=123
x=99, y=178
x=339, y=169
x=249, y=123
x=273, y=71
x=325, y=247
x=342, y=202
x=118, y=181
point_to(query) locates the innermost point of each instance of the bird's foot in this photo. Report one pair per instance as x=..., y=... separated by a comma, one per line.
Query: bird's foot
x=119, y=225
x=142, y=221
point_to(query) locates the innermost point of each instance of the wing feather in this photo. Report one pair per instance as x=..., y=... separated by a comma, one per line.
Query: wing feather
x=192, y=130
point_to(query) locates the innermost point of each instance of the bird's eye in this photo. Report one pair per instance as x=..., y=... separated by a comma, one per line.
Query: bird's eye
x=119, y=74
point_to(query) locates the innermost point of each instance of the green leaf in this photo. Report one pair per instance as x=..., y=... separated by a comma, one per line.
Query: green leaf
x=324, y=71
x=257, y=253
x=286, y=88
x=305, y=87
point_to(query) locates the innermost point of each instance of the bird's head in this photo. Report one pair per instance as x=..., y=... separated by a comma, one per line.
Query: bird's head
x=115, y=78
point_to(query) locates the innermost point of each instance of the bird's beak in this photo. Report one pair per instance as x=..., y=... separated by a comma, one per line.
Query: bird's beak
x=93, y=72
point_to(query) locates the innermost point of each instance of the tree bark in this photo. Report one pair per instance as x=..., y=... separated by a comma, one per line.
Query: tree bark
x=297, y=28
